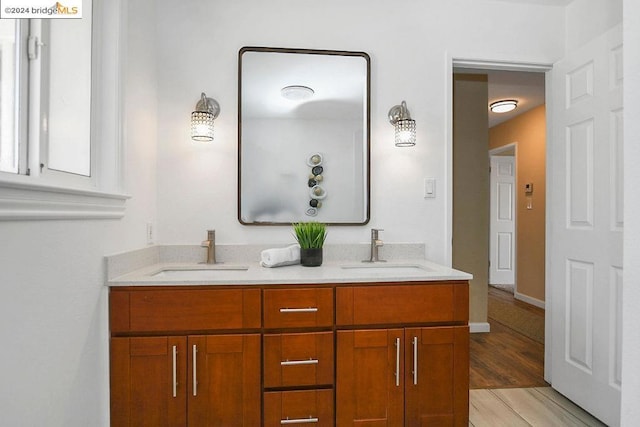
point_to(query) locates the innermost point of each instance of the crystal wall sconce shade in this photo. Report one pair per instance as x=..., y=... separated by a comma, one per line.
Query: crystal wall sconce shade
x=207, y=109
x=405, y=126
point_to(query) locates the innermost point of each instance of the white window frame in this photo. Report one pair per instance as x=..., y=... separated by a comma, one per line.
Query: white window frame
x=28, y=197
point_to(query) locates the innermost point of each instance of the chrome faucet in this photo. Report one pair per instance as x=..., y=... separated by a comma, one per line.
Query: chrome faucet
x=375, y=245
x=210, y=244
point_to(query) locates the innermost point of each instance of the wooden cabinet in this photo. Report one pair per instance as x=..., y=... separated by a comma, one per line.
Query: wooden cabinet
x=369, y=380
x=142, y=382
x=223, y=379
x=299, y=356
x=393, y=354
x=402, y=376
x=184, y=377
x=437, y=376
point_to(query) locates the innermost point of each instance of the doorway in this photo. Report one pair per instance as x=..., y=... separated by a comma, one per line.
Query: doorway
x=518, y=251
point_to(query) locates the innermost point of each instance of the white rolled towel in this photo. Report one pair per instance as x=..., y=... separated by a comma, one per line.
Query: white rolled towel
x=277, y=257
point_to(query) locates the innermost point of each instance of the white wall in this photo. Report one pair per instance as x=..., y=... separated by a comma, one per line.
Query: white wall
x=587, y=19
x=53, y=303
x=408, y=44
x=631, y=284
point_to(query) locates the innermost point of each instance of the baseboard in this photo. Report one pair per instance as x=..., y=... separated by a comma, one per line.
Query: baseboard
x=529, y=300
x=476, y=327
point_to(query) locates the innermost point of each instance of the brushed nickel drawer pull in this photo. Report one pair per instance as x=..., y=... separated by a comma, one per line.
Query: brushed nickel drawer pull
x=300, y=420
x=195, y=375
x=299, y=362
x=397, y=373
x=174, y=353
x=299, y=310
x=415, y=360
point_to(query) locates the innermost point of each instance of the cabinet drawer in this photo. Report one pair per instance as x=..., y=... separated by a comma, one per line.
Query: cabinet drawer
x=371, y=305
x=298, y=308
x=298, y=359
x=313, y=407
x=169, y=310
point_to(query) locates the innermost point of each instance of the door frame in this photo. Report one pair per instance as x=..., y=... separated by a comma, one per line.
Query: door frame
x=453, y=61
x=494, y=152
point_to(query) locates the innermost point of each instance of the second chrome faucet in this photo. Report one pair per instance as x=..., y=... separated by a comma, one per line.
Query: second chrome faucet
x=376, y=243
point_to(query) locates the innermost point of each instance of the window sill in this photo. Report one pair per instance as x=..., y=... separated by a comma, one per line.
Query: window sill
x=29, y=201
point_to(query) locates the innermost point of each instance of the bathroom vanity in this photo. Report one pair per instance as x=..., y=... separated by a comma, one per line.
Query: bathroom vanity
x=332, y=345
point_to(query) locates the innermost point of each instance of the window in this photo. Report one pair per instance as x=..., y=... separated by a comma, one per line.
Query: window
x=46, y=82
x=8, y=95
x=54, y=163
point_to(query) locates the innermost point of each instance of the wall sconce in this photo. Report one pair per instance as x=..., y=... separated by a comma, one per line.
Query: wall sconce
x=405, y=126
x=207, y=109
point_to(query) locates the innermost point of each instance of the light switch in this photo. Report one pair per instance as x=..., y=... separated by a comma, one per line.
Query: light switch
x=151, y=234
x=429, y=188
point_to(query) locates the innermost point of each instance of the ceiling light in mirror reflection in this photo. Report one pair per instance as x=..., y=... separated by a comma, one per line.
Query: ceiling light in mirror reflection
x=297, y=93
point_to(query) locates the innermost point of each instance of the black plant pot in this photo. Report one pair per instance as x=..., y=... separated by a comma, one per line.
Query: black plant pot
x=311, y=257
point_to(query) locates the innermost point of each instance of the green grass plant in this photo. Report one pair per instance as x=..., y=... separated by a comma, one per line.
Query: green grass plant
x=310, y=235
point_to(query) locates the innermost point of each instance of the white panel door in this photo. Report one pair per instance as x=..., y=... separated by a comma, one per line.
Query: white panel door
x=584, y=237
x=502, y=223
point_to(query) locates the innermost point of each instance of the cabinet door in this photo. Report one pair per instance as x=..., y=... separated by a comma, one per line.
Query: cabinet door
x=224, y=380
x=437, y=376
x=369, y=380
x=148, y=381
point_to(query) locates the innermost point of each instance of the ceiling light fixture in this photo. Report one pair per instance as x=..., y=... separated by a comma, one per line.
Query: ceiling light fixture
x=297, y=92
x=503, y=106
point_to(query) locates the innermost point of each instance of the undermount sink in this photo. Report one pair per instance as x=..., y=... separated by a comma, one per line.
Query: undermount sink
x=391, y=268
x=199, y=272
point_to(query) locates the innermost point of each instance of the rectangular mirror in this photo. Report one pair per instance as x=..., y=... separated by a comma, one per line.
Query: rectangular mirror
x=303, y=136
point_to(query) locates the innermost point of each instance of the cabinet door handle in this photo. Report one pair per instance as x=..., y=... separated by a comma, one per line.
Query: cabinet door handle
x=195, y=370
x=397, y=374
x=299, y=310
x=299, y=420
x=174, y=353
x=415, y=360
x=299, y=362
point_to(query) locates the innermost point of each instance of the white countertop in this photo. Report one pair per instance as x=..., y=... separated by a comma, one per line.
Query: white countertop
x=253, y=274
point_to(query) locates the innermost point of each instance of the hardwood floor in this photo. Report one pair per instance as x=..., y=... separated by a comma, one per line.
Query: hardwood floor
x=503, y=358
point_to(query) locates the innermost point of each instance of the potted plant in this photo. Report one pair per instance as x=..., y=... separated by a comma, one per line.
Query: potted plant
x=310, y=237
